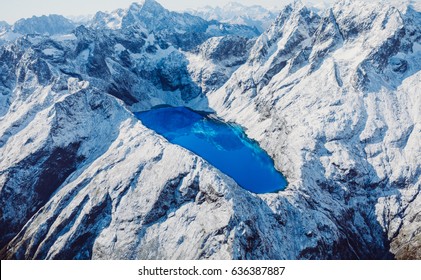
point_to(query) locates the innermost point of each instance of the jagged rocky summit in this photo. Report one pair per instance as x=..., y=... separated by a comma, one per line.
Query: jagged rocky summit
x=332, y=96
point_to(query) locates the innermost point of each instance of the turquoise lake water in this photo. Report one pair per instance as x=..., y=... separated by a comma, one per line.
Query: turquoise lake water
x=225, y=146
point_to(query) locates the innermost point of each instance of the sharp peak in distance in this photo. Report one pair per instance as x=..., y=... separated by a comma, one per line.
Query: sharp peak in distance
x=145, y=3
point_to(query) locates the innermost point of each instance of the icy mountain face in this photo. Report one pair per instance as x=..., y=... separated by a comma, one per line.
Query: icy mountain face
x=130, y=64
x=236, y=13
x=62, y=131
x=4, y=32
x=120, y=187
x=44, y=25
x=148, y=13
x=335, y=106
x=335, y=100
x=81, y=19
x=4, y=26
x=212, y=63
x=180, y=29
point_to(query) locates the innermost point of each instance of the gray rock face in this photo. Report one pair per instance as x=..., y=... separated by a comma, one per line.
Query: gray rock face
x=336, y=107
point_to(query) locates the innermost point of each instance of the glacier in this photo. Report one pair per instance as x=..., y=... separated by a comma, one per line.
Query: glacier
x=331, y=95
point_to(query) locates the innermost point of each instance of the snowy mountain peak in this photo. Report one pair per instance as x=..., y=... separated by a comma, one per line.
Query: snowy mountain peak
x=295, y=10
x=328, y=29
x=42, y=25
x=45, y=25
x=236, y=13
x=181, y=29
x=4, y=24
x=348, y=82
x=358, y=19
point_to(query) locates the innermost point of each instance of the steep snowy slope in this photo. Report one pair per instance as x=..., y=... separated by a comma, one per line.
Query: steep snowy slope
x=180, y=29
x=62, y=129
x=83, y=19
x=118, y=191
x=212, y=63
x=335, y=99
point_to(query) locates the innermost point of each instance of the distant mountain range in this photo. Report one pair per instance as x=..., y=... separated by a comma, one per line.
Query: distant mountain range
x=180, y=29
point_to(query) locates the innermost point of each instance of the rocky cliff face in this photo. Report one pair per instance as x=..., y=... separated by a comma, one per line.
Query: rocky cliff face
x=333, y=98
x=212, y=63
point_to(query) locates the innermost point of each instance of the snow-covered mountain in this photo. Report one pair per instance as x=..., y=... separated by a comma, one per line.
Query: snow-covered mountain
x=81, y=19
x=335, y=99
x=236, y=13
x=43, y=25
x=4, y=32
x=212, y=63
x=181, y=29
x=4, y=26
x=332, y=96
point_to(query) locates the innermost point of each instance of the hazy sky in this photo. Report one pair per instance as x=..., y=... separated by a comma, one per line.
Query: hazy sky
x=12, y=10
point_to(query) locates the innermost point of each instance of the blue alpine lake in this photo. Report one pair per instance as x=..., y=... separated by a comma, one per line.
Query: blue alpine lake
x=223, y=145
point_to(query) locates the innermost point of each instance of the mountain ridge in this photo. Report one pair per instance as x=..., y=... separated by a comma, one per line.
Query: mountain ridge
x=237, y=13
x=181, y=29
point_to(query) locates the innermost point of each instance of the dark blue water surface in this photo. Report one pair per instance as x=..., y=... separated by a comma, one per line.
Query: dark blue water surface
x=225, y=146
